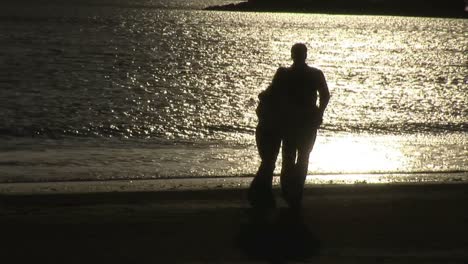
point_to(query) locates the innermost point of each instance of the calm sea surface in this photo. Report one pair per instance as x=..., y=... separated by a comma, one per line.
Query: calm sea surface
x=134, y=89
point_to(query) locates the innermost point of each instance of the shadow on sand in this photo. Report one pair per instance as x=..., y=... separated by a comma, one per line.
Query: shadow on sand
x=277, y=236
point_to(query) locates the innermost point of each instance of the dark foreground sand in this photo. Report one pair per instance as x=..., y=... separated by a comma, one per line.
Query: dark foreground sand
x=340, y=224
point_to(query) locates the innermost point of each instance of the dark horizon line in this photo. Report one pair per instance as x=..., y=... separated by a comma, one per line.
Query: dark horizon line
x=456, y=10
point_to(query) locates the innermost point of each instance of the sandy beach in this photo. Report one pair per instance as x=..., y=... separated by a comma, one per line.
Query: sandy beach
x=399, y=223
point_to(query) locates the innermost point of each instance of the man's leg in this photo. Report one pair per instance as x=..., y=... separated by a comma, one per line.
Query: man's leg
x=303, y=151
x=289, y=179
x=292, y=182
x=288, y=155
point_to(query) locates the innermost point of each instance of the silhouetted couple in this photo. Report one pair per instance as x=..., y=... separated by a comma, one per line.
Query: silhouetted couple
x=288, y=114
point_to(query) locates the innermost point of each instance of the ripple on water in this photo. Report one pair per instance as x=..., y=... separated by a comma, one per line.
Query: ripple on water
x=195, y=75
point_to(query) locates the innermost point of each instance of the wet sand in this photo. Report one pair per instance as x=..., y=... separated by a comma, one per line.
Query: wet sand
x=409, y=223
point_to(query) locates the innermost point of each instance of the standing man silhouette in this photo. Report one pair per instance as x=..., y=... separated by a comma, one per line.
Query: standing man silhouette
x=288, y=113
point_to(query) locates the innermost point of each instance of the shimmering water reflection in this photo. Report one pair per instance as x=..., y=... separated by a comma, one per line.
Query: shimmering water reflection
x=336, y=158
x=104, y=92
x=381, y=159
x=353, y=153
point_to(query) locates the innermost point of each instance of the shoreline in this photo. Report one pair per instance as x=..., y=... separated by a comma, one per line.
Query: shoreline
x=337, y=10
x=222, y=183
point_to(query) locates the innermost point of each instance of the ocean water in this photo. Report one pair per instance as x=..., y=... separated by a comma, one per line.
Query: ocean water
x=147, y=89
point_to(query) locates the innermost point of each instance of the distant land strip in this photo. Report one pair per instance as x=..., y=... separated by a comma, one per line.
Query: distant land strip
x=420, y=8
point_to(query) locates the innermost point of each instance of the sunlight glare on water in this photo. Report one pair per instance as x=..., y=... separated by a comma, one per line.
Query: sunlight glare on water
x=354, y=154
x=386, y=159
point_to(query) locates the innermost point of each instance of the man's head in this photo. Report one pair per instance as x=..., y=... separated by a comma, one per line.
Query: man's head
x=299, y=53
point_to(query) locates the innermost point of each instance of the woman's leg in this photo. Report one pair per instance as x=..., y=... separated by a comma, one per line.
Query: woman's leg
x=268, y=145
x=260, y=193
